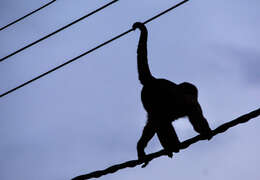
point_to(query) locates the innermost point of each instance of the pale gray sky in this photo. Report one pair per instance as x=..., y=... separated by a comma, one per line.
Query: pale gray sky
x=88, y=115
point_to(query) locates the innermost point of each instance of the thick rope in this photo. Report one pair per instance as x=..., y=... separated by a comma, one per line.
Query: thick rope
x=221, y=129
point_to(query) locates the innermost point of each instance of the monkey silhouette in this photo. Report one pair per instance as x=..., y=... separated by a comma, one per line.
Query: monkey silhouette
x=165, y=102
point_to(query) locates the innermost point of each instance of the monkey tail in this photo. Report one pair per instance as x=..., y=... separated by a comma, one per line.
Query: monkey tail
x=144, y=73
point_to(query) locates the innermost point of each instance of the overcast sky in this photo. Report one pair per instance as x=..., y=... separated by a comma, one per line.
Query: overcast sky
x=88, y=115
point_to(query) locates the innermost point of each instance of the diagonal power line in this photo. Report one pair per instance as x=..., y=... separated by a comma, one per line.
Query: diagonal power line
x=55, y=32
x=130, y=164
x=91, y=50
x=17, y=20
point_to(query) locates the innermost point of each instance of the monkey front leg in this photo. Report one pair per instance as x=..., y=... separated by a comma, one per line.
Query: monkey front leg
x=199, y=122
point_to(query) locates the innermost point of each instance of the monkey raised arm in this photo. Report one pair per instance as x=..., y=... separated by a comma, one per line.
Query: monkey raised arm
x=145, y=75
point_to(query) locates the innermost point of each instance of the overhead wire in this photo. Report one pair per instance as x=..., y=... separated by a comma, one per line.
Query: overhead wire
x=55, y=32
x=91, y=50
x=17, y=20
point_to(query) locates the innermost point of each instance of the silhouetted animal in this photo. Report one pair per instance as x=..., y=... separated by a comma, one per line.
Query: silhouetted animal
x=165, y=102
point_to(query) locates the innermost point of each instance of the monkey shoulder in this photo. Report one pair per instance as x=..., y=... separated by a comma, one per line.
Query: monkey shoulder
x=188, y=88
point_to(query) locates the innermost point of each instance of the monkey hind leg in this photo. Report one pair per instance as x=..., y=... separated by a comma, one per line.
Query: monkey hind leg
x=168, y=138
x=148, y=133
